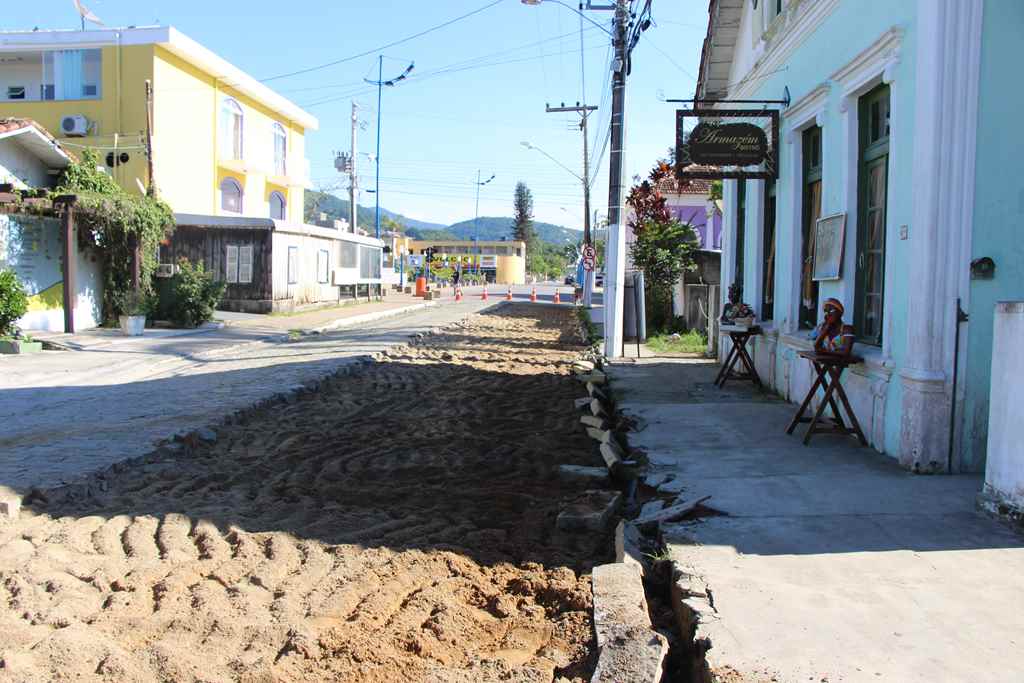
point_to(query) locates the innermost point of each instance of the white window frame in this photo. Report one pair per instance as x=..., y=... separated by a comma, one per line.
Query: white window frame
x=279, y=134
x=232, y=130
x=293, y=265
x=231, y=264
x=807, y=112
x=875, y=65
x=245, y=264
x=323, y=266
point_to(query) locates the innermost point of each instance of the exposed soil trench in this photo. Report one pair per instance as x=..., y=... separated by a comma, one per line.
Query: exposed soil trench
x=396, y=525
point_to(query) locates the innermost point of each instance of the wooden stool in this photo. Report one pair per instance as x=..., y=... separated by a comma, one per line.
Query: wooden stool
x=830, y=371
x=739, y=335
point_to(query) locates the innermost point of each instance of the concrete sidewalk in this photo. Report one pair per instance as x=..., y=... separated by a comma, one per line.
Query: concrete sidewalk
x=830, y=563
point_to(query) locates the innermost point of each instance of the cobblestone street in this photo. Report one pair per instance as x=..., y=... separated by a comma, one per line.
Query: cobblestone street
x=114, y=403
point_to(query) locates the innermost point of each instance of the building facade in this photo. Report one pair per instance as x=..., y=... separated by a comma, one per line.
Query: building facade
x=900, y=126
x=500, y=261
x=223, y=143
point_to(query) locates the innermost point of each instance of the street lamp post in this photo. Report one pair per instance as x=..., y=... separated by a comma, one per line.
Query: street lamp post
x=380, y=83
x=476, y=219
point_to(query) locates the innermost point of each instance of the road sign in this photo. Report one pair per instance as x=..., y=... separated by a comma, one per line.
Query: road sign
x=589, y=252
x=588, y=264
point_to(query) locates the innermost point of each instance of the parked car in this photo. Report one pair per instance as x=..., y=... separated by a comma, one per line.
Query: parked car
x=570, y=280
x=599, y=279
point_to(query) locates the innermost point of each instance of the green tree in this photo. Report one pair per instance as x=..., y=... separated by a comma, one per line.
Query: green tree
x=664, y=251
x=13, y=301
x=522, y=222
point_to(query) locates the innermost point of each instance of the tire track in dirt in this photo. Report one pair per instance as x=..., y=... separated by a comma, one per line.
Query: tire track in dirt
x=397, y=525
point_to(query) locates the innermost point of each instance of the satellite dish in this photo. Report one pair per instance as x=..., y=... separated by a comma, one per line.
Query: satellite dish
x=86, y=14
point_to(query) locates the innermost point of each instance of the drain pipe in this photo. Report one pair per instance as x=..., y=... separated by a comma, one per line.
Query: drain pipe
x=961, y=317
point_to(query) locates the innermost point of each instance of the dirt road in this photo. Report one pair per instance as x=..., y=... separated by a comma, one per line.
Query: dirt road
x=397, y=525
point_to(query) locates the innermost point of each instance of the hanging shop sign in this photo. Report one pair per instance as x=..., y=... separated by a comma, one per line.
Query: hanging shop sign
x=715, y=144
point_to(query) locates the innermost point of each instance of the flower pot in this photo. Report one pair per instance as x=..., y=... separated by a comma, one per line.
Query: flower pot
x=14, y=346
x=133, y=325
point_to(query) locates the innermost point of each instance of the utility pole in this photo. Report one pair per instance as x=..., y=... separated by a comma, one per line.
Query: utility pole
x=615, y=256
x=476, y=218
x=353, y=178
x=584, y=112
x=380, y=83
x=151, y=190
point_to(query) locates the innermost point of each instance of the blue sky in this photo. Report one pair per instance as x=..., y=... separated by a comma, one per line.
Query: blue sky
x=478, y=89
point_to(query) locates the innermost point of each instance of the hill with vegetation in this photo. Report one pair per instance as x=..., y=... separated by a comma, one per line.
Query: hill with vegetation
x=489, y=227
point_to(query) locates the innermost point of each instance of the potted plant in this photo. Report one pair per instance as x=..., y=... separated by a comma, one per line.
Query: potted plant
x=13, y=305
x=133, y=307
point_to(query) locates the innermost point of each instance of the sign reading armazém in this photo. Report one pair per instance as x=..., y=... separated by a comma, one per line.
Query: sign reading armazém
x=727, y=143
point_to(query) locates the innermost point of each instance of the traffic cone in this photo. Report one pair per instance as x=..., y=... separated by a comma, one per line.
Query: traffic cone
x=458, y=293
x=483, y=297
x=508, y=294
x=557, y=300
x=533, y=295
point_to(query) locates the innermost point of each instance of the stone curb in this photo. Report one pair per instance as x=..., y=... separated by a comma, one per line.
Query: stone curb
x=630, y=650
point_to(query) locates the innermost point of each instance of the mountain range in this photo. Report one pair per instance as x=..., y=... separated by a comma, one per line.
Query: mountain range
x=486, y=227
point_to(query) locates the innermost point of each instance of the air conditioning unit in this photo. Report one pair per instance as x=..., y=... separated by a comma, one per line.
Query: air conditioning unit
x=75, y=125
x=165, y=270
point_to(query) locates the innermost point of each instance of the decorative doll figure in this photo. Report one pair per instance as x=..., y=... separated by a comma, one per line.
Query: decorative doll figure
x=833, y=337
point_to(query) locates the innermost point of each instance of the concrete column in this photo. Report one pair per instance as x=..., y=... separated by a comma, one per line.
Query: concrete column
x=945, y=122
x=1004, y=469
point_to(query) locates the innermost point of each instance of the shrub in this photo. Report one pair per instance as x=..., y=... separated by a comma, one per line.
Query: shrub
x=13, y=301
x=192, y=295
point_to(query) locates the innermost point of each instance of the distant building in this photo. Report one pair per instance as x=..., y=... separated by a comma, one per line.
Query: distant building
x=500, y=261
x=224, y=146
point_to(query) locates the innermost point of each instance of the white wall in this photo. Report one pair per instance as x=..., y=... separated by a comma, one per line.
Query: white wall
x=21, y=167
x=1004, y=472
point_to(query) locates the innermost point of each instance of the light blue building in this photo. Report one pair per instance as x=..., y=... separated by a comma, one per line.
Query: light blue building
x=904, y=119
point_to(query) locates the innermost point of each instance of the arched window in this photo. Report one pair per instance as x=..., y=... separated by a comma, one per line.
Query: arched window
x=232, y=122
x=280, y=150
x=231, y=195
x=278, y=206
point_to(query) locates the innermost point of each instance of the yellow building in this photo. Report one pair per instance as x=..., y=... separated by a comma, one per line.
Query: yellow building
x=502, y=261
x=223, y=143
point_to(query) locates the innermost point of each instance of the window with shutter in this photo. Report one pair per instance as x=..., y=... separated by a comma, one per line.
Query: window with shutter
x=231, y=265
x=245, y=265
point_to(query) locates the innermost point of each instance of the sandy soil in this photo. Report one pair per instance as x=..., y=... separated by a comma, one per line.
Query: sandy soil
x=398, y=525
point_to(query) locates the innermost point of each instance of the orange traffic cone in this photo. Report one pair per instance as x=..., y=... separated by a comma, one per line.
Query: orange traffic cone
x=458, y=293
x=508, y=294
x=533, y=294
x=483, y=297
x=557, y=300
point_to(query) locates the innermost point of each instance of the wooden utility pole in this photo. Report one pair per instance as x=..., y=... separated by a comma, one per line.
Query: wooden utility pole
x=69, y=267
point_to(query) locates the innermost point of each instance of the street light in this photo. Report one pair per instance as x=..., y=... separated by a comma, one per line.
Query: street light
x=534, y=3
x=575, y=175
x=380, y=83
x=476, y=218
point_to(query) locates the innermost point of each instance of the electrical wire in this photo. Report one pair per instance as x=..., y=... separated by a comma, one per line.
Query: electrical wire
x=383, y=47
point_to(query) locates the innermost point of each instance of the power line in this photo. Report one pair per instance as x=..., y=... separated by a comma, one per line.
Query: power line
x=383, y=47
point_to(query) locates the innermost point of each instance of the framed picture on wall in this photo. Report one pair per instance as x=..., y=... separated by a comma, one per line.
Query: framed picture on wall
x=829, y=238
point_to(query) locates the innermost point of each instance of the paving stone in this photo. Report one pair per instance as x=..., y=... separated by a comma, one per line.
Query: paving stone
x=619, y=599
x=589, y=475
x=612, y=455
x=671, y=513
x=206, y=434
x=628, y=544
x=672, y=486
x=593, y=421
x=595, y=377
x=581, y=403
x=596, y=392
x=597, y=408
x=583, y=365
x=590, y=512
x=632, y=655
